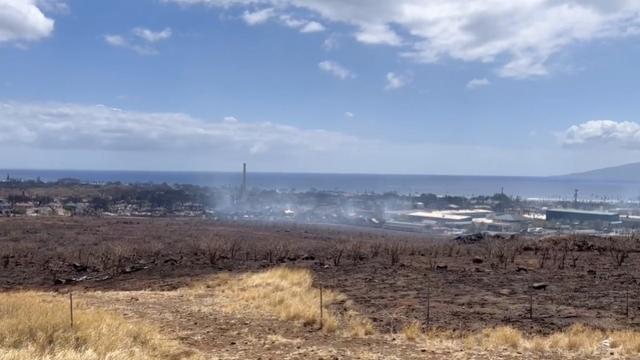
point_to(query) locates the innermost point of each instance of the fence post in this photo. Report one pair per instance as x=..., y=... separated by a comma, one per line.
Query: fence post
x=626, y=292
x=71, y=308
x=321, y=311
x=428, y=307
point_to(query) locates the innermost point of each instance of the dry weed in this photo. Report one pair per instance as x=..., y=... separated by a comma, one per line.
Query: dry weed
x=286, y=293
x=37, y=326
x=412, y=331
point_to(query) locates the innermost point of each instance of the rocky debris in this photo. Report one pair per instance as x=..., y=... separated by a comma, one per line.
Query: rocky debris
x=470, y=239
x=505, y=292
x=79, y=267
x=171, y=261
x=539, y=286
x=71, y=280
x=522, y=269
x=134, y=268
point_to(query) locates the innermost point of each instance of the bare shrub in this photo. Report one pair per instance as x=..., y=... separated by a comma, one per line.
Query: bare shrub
x=565, y=247
x=374, y=249
x=356, y=252
x=393, y=252
x=212, y=250
x=114, y=258
x=283, y=250
x=575, y=256
x=543, y=256
x=336, y=254
x=234, y=248
x=270, y=254
x=5, y=260
x=502, y=252
x=619, y=248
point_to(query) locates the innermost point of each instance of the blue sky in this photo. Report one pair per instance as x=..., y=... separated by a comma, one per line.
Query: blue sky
x=539, y=87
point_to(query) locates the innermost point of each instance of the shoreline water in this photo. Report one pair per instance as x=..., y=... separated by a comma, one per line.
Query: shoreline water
x=560, y=188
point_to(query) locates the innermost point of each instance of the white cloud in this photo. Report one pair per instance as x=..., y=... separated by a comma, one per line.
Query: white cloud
x=141, y=42
x=73, y=126
x=23, y=20
x=115, y=40
x=397, y=81
x=303, y=25
x=349, y=114
x=120, y=41
x=152, y=36
x=521, y=36
x=377, y=34
x=478, y=83
x=625, y=134
x=335, y=69
x=291, y=22
x=257, y=17
x=312, y=26
x=56, y=135
x=330, y=43
x=53, y=6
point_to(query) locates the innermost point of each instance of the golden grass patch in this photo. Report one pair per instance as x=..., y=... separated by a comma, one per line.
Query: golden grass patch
x=290, y=295
x=502, y=336
x=412, y=331
x=37, y=326
x=287, y=293
x=628, y=340
x=575, y=340
x=358, y=325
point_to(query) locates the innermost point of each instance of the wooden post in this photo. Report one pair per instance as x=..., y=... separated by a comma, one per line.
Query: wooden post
x=627, y=303
x=71, y=307
x=321, y=324
x=428, y=307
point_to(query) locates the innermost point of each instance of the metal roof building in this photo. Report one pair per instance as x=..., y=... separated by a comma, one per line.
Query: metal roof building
x=560, y=215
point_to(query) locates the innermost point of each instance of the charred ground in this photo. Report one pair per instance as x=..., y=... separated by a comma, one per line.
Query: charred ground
x=394, y=278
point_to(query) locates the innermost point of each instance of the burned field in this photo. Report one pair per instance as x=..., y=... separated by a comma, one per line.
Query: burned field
x=535, y=285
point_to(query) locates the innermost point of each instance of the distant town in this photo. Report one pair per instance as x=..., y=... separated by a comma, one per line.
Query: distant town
x=421, y=213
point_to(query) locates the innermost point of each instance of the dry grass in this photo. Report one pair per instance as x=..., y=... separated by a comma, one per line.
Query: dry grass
x=412, y=331
x=358, y=325
x=290, y=295
x=576, y=340
x=286, y=293
x=504, y=336
x=37, y=326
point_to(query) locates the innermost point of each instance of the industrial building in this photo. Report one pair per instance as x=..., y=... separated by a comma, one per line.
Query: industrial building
x=438, y=216
x=573, y=215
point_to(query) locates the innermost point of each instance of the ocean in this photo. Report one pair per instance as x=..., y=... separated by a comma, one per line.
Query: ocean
x=525, y=187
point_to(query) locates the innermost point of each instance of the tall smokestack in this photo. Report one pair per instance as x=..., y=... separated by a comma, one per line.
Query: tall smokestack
x=244, y=180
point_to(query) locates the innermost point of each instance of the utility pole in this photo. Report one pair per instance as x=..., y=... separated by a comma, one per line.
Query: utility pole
x=575, y=198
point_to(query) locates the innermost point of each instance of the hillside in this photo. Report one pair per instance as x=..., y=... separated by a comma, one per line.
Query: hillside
x=628, y=172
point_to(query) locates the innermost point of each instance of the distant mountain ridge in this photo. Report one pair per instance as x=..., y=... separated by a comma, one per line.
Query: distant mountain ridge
x=627, y=172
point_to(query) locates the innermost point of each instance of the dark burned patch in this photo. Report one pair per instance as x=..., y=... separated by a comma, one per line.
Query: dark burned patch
x=391, y=277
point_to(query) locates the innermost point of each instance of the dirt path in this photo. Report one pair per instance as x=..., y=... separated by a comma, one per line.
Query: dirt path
x=195, y=318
